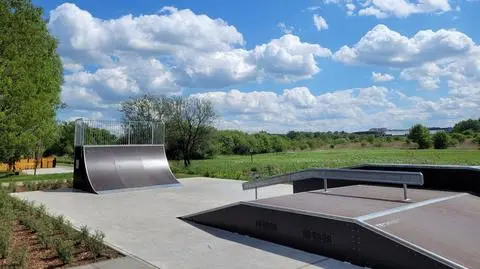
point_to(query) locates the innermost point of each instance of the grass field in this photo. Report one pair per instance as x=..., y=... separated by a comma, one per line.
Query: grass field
x=239, y=167
x=5, y=177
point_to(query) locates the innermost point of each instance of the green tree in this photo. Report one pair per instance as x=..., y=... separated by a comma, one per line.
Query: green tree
x=188, y=122
x=420, y=135
x=470, y=124
x=441, y=140
x=30, y=80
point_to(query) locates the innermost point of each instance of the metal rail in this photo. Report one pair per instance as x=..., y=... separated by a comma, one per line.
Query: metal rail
x=388, y=177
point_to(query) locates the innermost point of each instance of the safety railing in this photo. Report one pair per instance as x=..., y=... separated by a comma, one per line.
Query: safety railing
x=325, y=174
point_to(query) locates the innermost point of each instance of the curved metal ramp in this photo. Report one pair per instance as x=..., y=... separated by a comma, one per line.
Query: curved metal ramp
x=111, y=168
x=364, y=225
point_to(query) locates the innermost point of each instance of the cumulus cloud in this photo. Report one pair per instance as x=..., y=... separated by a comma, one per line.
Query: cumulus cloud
x=319, y=22
x=379, y=77
x=385, y=47
x=299, y=108
x=162, y=53
x=382, y=9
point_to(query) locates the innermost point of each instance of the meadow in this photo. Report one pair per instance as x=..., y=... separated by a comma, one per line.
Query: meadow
x=241, y=167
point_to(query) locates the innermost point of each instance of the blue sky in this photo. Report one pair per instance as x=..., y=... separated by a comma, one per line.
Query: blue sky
x=275, y=66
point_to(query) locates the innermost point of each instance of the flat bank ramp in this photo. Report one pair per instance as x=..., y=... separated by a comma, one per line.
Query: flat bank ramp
x=364, y=225
x=114, y=168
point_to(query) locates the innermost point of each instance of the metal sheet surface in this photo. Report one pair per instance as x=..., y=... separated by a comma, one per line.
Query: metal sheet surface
x=109, y=168
x=448, y=228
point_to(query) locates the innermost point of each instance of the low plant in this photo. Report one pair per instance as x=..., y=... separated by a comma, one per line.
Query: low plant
x=95, y=244
x=45, y=234
x=84, y=235
x=19, y=257
x=4, y=242
x=64, y=250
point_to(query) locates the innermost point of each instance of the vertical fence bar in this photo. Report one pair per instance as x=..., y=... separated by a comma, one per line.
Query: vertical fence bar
x=325, y=188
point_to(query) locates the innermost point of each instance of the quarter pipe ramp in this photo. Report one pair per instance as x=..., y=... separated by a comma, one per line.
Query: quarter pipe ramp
x=100, y=169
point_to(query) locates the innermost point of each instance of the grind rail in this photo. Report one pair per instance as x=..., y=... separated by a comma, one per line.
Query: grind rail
x=325, y=174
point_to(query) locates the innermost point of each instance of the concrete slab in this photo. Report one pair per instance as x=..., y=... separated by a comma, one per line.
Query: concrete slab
x=48, y=171
x=120, y=263
x=145, y=224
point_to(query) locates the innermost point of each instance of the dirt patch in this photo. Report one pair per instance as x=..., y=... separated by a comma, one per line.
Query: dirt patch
x=41, y=257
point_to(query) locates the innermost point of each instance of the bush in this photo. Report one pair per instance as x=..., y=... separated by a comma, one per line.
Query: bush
x=95, y=244
x=460, y=138
x=83, y=235
x=420, y=135
x=64, y=250
x=19, y=257
x=332, y=146
x=4, y=242
x=441, y=140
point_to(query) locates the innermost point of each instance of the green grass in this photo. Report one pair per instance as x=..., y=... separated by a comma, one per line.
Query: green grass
x=64, y=161
x=5, y=177
x=239, y=167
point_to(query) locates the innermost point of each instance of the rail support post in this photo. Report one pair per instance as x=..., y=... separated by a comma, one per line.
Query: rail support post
x=325, y=187
x=405, y=195
x=256, y=194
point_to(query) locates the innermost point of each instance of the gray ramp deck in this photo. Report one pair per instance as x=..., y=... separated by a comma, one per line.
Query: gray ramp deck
x=365, y=225
x=114, y=168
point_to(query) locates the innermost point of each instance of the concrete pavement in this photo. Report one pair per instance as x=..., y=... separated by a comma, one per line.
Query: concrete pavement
x=145, y=225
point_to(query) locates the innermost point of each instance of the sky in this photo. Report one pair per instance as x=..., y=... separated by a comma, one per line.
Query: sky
x=276, y=66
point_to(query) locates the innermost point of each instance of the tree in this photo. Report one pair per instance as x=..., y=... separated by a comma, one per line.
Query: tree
x=31, y=75
x=420, y=135
x=188, y=122
x=470, y=124
x=441, y=140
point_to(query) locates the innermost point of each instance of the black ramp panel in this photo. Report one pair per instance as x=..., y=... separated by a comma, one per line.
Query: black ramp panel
x=332, y=237
x=109, y=168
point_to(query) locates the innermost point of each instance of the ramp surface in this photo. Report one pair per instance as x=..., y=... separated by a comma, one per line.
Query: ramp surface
x=436, y=177
x=365, y=225
x=112, y=168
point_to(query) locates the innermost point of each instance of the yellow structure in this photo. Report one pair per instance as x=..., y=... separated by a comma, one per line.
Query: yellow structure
x=46, y=162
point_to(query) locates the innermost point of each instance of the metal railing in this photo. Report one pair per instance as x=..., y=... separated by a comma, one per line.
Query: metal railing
x=102, y=132
x=325, y=174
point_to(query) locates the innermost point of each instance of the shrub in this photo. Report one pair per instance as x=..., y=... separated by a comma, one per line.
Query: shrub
x=441, y=140
x=19, y=257
x=64, y=250
x=458, y=137
x=83, y=235
x=420, y=135
x=4, y=242
x=95, y=244
x=363, y=144
x=332, y=146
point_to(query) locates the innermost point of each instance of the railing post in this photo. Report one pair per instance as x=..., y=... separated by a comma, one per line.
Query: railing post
x=153, y=132
x=325, y=185
x=256, y=194
x=405, y=196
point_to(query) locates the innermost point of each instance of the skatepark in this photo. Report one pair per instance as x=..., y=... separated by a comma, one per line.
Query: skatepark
x=390, y=216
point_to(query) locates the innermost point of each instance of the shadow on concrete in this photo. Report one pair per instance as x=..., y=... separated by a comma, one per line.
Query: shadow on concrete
x=267, y=246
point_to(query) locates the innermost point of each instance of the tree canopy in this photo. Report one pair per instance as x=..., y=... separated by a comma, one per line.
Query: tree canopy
x=31, y=75
x=420, y=135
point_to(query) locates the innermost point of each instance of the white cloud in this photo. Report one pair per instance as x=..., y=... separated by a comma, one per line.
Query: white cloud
x=313, y=8
x=162, y=53
x=382, y=46
x=350, y=8
x=284, y=28
x=379, y=77
x=289, y=59
x=298, y=108
x=397, y=8
x=319, y=22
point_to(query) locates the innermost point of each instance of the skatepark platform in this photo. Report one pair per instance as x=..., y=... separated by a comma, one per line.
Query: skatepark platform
x=107, y=168
x=436, y=177
x=365, y=225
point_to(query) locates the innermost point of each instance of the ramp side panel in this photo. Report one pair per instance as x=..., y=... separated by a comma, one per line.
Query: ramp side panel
x=342, y=240
x=448, y=228
x=111, y=168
